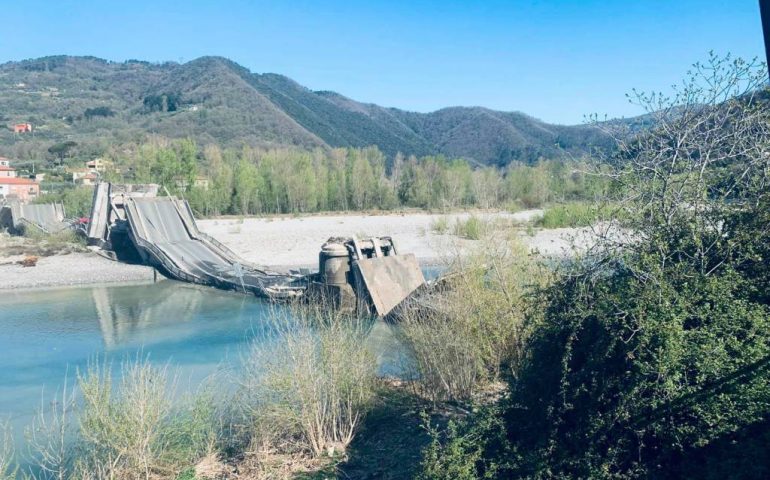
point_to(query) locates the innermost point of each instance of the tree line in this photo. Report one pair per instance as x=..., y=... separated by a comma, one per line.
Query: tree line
x=251, y=181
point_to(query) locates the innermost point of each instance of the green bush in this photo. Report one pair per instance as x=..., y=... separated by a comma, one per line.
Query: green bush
x=76, y=201
x=471, y=228
x=626, y=391
x=466, y=449
x=572, y=215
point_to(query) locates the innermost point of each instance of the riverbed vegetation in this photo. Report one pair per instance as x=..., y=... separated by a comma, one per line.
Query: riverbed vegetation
x=36, y=243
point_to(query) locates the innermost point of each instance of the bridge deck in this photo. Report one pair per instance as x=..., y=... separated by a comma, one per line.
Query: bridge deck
x=165, y=233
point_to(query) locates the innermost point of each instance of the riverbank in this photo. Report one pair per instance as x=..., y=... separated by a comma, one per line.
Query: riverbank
x=69, y=270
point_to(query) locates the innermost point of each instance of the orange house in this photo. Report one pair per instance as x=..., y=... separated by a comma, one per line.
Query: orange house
x=22, y=188
x=22, y=128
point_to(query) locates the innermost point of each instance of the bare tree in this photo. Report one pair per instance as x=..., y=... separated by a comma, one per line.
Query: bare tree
x=704, y=158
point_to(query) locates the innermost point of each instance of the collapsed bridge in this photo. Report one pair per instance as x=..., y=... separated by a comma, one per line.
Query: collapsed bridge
x=163, y=233
x=132, y=223
x=19, y=217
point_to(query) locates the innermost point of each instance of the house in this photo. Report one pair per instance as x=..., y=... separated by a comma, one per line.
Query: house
x=22, y=188
x=96, y=165
x=90, y=174
x=7, y=172
x=22, y=128
x=79, y=173
x=199, y=182
x=88, y=179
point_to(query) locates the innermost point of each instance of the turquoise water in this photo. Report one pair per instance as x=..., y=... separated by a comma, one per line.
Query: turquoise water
x=48, y=335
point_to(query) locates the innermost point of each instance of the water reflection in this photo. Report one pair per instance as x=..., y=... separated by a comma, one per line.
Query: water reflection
x=124, y=314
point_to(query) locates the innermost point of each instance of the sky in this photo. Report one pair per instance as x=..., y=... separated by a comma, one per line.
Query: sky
x=556, y=60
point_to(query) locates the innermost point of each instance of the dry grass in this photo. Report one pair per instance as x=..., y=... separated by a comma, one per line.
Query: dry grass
x=41, y=245
x=7, y=469
x=309, y=390
x=211, y=467
x=136, y=428
x=267, y=463
x=462, y=337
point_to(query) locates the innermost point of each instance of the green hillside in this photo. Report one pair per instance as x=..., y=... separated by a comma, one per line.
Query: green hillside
x=101, y=104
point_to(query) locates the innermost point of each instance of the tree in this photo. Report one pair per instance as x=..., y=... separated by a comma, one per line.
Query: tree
x=244, y=186
x=62, y=150
x=89, y=113
x=188, y=162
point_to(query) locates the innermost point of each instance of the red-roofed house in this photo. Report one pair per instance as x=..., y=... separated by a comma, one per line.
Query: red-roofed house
x=22, y=128
x=22, y=188
x=88, y=179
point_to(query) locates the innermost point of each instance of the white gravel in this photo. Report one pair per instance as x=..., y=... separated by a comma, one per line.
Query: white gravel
x=74, y=269
x=295, y=241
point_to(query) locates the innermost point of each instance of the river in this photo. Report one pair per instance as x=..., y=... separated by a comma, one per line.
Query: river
x=49, y=335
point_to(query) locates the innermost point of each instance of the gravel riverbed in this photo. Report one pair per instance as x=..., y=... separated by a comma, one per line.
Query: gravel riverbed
x=73, y=269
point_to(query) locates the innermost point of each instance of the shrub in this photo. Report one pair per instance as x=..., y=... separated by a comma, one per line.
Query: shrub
x=440, y=226
x=50, y=439
x=135, y=429
x=122, y=430
x=477, y=327
x=679, y=362
x=455, y=458
x=472, y=228
x=467, y=449
x=192, y=430
x=652, y=355
x=572, y=215
x=446, y=359
x=89, y=113
x=312, y=387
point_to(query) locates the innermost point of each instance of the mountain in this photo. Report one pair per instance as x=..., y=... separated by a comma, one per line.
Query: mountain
x=98, y=104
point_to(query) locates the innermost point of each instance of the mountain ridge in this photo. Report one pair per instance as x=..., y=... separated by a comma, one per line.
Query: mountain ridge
x=215, y=100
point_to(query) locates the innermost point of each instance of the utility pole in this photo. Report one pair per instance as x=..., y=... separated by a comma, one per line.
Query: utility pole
x=764, y=12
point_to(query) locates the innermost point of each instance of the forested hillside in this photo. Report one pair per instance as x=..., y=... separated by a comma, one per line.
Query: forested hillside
x=100, y=104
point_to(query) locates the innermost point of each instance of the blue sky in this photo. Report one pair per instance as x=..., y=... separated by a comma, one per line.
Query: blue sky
x=556, y=60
